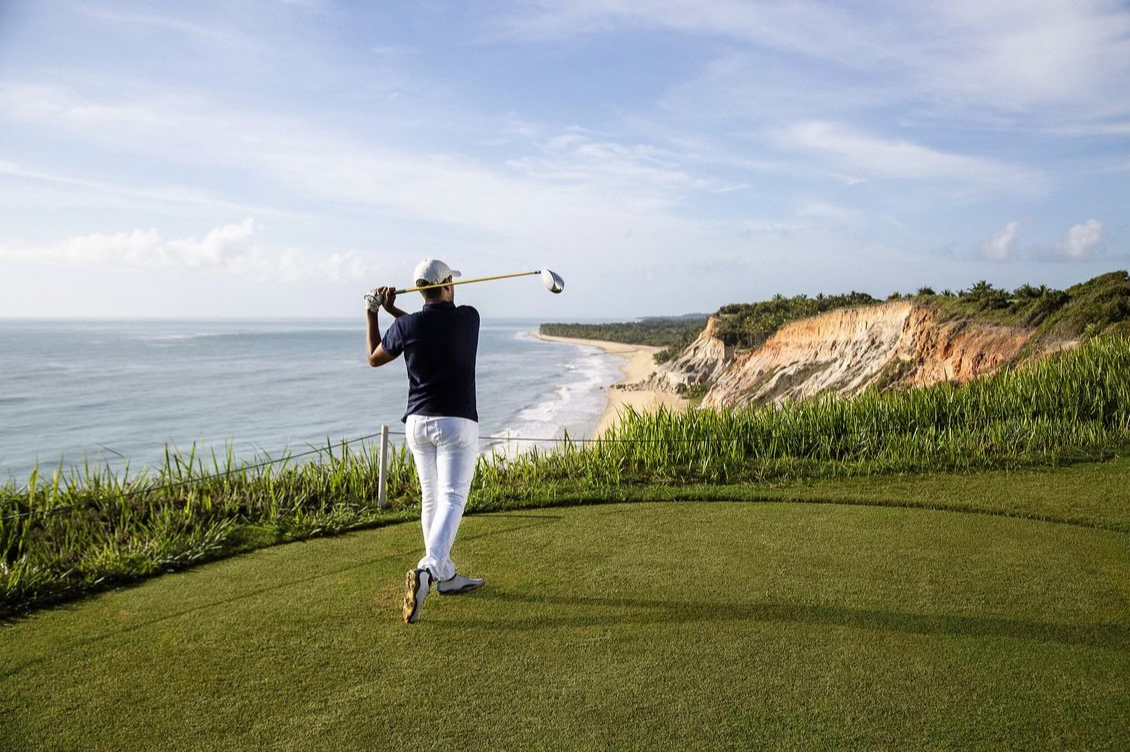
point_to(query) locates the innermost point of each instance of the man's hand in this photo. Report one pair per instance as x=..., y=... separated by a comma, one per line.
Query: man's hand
x=387, y=296
x=384, y=297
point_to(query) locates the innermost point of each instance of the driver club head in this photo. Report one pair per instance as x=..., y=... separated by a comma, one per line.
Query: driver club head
x=552, y=280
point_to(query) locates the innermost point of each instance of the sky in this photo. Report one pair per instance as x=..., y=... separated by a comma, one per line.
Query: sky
x=279, y=158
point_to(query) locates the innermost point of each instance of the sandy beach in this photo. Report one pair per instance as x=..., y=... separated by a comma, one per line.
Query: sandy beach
x=638, y=366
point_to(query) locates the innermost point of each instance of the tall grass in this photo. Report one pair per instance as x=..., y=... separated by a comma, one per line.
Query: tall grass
x=72, y=533
x=1067, y=407
x=68, y=534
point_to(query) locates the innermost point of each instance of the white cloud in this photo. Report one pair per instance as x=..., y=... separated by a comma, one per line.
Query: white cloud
x=119, y=195
x=219, y=246
x=143, y=22
x=640, y=177
x=1011, y=54
x=856, y=152
x=571, y=179
x=807, y=26
x=823, y=210
x=57, y=107
x=342, y=267
x=97, y=249
x=675, y=129
x=229, y=248
x=1081, y=242
x=1017, y=54
x=142, y=249
x=1002, y=246
x=1079, y=245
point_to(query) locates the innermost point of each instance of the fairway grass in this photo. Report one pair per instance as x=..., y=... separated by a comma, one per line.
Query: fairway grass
x=661, y=626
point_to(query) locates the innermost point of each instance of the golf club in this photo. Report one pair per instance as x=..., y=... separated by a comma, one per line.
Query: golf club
x=552, y=281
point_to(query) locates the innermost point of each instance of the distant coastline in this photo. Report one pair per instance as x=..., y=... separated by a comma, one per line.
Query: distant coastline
x=129, y=390
x=639, y=364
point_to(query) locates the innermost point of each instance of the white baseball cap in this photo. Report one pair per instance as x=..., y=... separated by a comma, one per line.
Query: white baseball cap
x=434, y=271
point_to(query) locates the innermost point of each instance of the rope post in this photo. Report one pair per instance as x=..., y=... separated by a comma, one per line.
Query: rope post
x=382, y=476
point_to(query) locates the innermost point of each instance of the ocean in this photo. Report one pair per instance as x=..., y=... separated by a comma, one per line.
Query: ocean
x=115, y=393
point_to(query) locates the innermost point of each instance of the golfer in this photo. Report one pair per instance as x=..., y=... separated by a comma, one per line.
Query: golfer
x=440, y=344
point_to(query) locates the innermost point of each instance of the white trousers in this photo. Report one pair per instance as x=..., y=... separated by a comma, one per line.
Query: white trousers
x=445, y=451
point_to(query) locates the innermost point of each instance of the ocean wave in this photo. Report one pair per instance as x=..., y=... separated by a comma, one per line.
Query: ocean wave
x=262, y=385
x=571, y=409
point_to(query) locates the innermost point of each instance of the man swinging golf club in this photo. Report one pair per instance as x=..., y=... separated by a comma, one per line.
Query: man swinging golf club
x=440, y=346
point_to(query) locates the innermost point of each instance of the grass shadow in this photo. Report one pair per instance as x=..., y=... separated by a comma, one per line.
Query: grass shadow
x=573, y=611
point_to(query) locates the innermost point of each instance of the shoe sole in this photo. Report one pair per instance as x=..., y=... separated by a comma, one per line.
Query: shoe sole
x=458, y=591
x=411, y=605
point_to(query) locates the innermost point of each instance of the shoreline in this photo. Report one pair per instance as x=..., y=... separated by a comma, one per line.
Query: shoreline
x=639, y=364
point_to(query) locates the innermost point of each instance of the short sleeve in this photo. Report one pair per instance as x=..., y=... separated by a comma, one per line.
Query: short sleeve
x=393, y=340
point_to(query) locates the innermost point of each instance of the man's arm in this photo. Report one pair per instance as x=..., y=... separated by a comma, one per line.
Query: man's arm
x=378, y=356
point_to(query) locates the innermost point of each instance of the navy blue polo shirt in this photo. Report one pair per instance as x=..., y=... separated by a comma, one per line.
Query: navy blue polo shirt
x=439, y=344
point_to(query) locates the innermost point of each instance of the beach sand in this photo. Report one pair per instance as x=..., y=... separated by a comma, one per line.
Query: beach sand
x=639, y=365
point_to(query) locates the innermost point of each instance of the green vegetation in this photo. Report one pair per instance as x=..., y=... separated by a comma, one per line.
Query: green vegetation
x=673, y=334
x=843, y=598
x=1096, y=307
x=749, y=325
x=66, y=536
x=1073, y=406
x=811, y=619
x=1090, y=309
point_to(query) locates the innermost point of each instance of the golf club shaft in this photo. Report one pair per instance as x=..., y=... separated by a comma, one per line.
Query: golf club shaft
x=465, y=282
x=549, y=278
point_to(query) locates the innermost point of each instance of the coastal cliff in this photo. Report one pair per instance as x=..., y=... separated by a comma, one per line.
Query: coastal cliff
x=703, y=362
x=895, y=344
x=792, y=348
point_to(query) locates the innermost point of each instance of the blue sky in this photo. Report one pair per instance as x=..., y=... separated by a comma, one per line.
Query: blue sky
x=270, y=158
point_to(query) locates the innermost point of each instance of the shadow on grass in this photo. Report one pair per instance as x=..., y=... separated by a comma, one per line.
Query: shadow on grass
x=576, y=612
x=515, y=522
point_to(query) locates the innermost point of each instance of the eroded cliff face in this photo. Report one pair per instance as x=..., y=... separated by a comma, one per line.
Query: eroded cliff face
x=846, y=351
x=703, y=362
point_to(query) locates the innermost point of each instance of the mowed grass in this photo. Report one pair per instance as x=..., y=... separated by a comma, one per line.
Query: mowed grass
x=64, y=535
x=662, y=626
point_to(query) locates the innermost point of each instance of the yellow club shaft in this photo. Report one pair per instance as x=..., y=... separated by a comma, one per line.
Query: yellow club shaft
x=467, y=281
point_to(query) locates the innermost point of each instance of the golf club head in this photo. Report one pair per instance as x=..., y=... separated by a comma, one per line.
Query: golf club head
x=552, y=280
